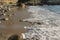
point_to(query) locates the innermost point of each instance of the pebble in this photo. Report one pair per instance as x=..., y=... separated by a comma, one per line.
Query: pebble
x=6, y=18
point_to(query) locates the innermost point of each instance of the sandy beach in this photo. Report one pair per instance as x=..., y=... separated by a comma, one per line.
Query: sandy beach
x=14, y=25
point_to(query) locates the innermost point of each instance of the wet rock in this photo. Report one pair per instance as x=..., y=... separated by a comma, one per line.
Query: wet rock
x=13, y=37
x=3, y=19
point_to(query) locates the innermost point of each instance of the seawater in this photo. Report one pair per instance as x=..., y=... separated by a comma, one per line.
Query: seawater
x=54, y=8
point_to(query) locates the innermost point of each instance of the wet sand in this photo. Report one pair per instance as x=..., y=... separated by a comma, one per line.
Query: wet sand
x=13, y=25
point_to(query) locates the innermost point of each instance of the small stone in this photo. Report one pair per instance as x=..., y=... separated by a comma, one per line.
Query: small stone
x=6, y=18
x=4, y=14
x=0, y=21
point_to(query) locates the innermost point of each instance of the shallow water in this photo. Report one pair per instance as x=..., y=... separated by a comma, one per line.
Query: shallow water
x=54, y=8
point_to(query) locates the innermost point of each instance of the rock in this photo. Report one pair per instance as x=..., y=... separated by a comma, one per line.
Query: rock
x=0, y=21
x=4, y=14
x=13, y=37
x=6, y=19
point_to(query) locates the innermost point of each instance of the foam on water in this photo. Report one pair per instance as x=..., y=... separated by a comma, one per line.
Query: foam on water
x=42, y=14
x=50, y=28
